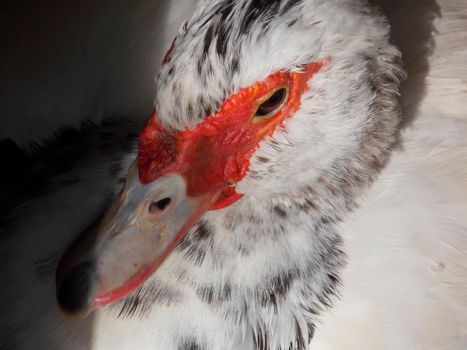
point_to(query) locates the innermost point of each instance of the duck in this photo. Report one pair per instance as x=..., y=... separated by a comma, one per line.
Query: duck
x=289, y=191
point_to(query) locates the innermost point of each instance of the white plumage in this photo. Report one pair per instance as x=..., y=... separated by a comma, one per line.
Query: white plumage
x=405, y=284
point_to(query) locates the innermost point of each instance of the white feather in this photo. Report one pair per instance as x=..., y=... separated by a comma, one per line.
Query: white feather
x=406, y=283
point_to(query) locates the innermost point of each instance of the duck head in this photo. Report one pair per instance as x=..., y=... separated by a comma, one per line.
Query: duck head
x=257, y=101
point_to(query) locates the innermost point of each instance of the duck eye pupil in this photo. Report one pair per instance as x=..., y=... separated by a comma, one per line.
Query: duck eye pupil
x=272, y=104
x=159, y=206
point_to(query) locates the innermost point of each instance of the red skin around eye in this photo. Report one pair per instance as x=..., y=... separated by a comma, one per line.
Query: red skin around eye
x=216, y=154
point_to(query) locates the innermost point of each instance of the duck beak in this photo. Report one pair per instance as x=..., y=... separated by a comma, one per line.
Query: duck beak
x=122, y=249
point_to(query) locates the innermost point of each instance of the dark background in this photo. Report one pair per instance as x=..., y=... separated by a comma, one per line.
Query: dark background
x=65, y=61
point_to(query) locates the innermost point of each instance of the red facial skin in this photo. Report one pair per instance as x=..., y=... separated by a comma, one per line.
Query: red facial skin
x=216, y=153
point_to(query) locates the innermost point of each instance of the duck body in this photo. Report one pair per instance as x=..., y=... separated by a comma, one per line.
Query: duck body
x=381, y=266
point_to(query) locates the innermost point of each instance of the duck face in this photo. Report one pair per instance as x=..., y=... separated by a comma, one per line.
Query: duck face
x=254, y=102
x=179, y=175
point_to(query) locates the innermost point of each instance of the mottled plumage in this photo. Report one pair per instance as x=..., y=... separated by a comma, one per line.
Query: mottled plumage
x=264, y=273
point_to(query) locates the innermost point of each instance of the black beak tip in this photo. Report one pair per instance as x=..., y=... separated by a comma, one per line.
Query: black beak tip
x=75, y=289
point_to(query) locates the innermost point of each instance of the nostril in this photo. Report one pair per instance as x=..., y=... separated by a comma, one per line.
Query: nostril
x=159, y=206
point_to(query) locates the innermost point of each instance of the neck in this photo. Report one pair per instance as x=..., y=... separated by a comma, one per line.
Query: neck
x=265, y=268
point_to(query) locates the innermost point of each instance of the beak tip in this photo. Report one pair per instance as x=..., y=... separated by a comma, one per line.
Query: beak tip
x=75, y=289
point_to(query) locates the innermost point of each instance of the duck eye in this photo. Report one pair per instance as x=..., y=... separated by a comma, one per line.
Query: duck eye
x=159, y=206
x=272, y=104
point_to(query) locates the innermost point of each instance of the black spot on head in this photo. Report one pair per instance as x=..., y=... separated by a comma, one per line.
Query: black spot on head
x=190, y=343
x=209, y=69
x=225, y=292
x=223, y=30
x=289, y=5
x=219, y=28
x=203, y=231
x=235, y=64
x=281, y=283
x=209, y=294
x=190, y=111
x=200, y=67
x=244, y=249
x=307, y=206
x=141, y=300
x=222, y=41
x=208, y=41
x=326, y=220
x=206, y=293
x=275, y=288
x=196, y=244
x=281, y=212
x=193, y=253
x=131, y=305
x=206, y=107
x=256, y=10
x=263, y=159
